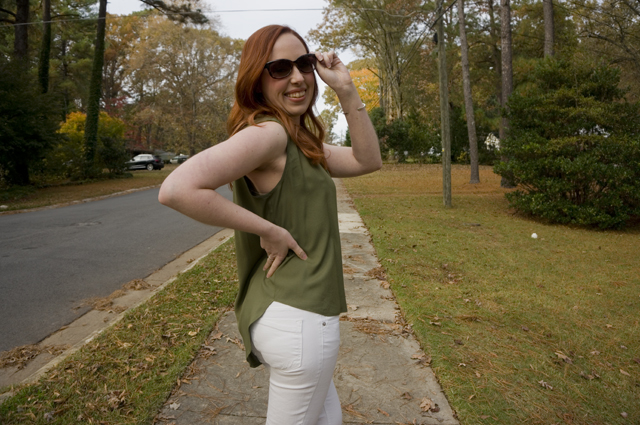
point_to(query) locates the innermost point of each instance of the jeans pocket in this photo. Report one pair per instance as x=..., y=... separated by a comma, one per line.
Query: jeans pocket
x=278, y=342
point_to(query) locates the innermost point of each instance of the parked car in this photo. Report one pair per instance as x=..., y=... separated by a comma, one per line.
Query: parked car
x=179, y=159
x=145, y=161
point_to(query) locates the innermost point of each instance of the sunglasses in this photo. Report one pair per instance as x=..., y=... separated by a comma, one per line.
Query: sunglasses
x=282, y=68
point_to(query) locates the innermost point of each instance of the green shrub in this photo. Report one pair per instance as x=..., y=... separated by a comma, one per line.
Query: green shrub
x=574, y=147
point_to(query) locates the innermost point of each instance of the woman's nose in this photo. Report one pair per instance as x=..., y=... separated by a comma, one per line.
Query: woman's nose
x=296, y=75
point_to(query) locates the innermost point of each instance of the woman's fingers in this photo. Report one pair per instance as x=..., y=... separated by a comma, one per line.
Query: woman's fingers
x=274, y=265
x=277, y=249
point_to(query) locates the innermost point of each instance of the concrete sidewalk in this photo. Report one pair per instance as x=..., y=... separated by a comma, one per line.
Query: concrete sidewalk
x=381, y=375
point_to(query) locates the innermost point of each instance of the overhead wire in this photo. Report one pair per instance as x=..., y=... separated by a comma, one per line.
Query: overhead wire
x=212, y=13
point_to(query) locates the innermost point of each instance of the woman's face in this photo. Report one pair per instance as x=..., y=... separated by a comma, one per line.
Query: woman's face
x=293, y=93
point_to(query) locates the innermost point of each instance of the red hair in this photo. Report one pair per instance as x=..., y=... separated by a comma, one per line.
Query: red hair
x=249, y=101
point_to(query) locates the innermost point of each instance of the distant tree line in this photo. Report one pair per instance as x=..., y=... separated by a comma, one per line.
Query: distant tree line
x=160, y=79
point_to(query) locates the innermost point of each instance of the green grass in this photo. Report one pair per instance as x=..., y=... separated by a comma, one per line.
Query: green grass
x=126, y=374
x=499, y=311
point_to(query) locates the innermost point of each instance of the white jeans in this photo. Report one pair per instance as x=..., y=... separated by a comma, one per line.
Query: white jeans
x=300, y=349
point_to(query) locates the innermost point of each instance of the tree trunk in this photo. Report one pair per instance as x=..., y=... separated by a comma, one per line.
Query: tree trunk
x=45, y=50
x=549, y=31
x=495, y=54
x=507, y=73
x=95, y=92
x=21, y=41
x=468, y=99
x=444, y=112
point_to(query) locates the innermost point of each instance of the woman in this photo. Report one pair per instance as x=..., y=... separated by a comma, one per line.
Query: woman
x=285, y=215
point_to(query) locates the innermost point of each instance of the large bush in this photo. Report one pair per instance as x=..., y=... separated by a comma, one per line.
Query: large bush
x=574, y=146
x=68, y=156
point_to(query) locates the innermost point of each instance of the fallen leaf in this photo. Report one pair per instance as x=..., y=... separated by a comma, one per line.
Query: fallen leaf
x=407, y=396
x=624, y=414
x=545, y=385
x=426, y=404
x=526, y=329
x=586, y=376
x=458, y=341
x=564, y=357
x=478, y=374
x=383, y=412
x=624, y=373
x=174, y=406
x=609, y=326
x=193, y=333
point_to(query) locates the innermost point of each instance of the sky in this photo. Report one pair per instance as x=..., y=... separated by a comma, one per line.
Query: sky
x=241, y=18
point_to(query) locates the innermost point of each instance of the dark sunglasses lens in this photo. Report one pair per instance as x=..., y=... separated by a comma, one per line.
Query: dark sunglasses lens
x=305, y=63
x=280, y=68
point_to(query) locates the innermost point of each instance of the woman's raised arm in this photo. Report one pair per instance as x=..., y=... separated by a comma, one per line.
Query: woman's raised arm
x=364, y=155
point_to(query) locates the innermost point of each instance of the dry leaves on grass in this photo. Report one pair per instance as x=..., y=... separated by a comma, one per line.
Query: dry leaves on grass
x=422, y=358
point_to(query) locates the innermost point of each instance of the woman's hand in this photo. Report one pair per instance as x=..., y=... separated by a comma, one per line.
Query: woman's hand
x=333, y=72
x=277, y=244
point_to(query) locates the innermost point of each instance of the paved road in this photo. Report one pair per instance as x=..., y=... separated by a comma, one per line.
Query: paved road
x=52, y=261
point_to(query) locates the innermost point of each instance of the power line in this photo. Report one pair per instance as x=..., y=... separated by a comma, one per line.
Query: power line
x=214, y=13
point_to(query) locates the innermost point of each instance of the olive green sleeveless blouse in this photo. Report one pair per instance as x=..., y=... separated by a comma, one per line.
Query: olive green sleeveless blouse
x=303, y=202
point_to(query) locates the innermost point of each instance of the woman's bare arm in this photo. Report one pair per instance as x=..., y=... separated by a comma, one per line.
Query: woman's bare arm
x=190, y=188
x=364, y=155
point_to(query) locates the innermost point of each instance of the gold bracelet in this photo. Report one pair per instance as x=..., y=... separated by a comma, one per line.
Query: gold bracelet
x=357, y=110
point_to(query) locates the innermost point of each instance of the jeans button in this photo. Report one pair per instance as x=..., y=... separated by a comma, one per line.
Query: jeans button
x=324, y=323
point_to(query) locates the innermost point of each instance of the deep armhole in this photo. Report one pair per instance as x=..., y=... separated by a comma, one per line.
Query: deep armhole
x=252, y=187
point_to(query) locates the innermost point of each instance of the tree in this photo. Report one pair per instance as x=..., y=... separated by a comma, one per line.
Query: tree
x=95, y=91
x=45, y=49
x=549, y=32
x=181, y=12
x=184, y=82
x=610, y=31
x=573, y=146
x=67, y=157
x=507, y=71
x=28, y=123
x=386, y=31
x=468, y=99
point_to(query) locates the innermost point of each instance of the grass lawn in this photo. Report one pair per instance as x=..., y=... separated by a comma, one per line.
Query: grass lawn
x=22, y=198
x=520, y=330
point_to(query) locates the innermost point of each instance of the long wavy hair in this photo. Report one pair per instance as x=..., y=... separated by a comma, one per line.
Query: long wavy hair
x=250, y=102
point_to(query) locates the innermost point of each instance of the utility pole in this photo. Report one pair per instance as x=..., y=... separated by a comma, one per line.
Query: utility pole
x=445, y=129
